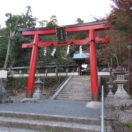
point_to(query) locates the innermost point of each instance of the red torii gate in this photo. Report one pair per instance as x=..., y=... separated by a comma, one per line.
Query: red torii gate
x=91, y=39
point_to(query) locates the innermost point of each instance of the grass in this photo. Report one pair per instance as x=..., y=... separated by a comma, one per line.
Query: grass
x=129, y=125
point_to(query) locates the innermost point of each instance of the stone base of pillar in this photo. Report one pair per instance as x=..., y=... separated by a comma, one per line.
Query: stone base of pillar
x=122, y=103
x=94, y=104
x=109, y=99
x=121, y=94
x=4, y=97
x=29, y=95
x=37, y=94
x=121, y=98
x=31, y=100
x=95, y=97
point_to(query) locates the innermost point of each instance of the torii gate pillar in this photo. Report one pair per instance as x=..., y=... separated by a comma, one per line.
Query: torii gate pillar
x=93, y=67
x=32, y=69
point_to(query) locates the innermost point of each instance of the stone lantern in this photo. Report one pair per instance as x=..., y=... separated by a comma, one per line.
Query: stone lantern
x=110, y=87
x=4, y=97
x=120, y=81
x=110, y=95
x=38, y=91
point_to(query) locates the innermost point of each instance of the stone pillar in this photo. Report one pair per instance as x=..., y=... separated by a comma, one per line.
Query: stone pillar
x=121, y=93
x=38, y=91
x=4, y=97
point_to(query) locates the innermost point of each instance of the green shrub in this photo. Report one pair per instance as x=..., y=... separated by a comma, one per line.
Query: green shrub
x=20, y=84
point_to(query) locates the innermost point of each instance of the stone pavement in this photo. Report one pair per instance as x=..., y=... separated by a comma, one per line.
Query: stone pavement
x=53, y=107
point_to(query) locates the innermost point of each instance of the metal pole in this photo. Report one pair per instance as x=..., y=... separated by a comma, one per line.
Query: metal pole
x=102, y=109
x=129, y=70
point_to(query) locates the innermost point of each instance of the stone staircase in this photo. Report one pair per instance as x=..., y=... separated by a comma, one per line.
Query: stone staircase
x=78, y=88
x=47, y=123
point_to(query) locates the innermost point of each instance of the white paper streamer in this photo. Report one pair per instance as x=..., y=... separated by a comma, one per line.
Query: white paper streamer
x=68, y=50
x=45, y=51
x=53, y=52
x=80, y=49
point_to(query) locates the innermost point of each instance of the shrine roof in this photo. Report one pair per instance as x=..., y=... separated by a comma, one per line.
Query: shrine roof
x=83, y=55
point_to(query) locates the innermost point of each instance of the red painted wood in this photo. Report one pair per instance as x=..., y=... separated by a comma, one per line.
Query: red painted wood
x=32, y=69
x=93, y=67
x=91, y=39
x=76, y=42
x=30, y=45
x=68, y=29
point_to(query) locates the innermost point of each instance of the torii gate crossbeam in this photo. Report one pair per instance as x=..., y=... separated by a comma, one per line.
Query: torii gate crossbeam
x=91, y=39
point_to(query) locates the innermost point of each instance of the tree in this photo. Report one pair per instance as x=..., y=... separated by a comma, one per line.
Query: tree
x=3, y=46
x=120, y=32
x=79, y=21
x=121, y=16
x=114, y=53
x=11, y=34
x=13, y=23
x=53, y=22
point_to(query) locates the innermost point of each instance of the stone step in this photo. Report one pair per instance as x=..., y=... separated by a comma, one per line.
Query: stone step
x=76, y=91
x=78, y=88
x=69, y=86
x=50, y=117
x=75, y=95
x=13, y=129
x=80, y=78
x=74, y=99
x=49, y=123
x=80, y=83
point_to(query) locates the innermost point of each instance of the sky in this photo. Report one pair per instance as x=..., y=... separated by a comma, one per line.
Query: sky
x=67, y=11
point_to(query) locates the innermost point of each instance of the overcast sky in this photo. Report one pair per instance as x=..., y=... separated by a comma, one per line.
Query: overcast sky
x=67, y=11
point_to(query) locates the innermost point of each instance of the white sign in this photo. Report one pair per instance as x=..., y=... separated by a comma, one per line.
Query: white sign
x=3, y=74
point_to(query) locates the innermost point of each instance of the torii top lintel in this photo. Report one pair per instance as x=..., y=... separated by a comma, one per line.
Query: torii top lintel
x=92, y=26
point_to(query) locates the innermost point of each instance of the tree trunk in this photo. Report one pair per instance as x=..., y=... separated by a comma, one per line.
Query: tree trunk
x=8, y=50
x=117, y=61
x=7, y=54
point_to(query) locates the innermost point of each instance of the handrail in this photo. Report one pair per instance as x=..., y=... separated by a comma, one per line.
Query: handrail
x=61, y=87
